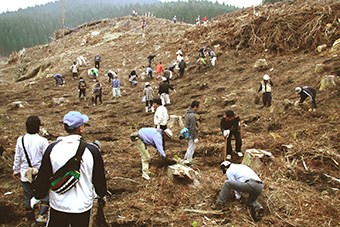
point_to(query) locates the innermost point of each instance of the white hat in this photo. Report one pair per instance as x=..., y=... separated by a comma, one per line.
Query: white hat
x=298, y=90
x=164, y=79
x=266, y=77
x=225, y=164
x=168, y=133
x=147, y=83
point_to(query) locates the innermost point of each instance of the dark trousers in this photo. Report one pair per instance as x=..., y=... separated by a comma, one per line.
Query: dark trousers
x=147, y=103
x=61, y=219
x=267, y=98
x=100, y=99
x=75, y=75
x=238, y=141
x=181, y=72
x=82, y=91
x=96, y=64
x=149, y=62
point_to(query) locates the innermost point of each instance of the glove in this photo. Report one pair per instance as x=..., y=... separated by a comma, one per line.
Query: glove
x=34, y=202
x=238, y=195
x=158, y=126
x=226, y=133
x=196, y=140
x=174, y=90
x=102, y=201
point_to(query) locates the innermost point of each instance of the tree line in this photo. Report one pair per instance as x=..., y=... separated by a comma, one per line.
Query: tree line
x=36, y=25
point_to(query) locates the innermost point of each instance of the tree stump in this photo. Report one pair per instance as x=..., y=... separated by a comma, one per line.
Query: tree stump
x=252, y=157
x=327, y=82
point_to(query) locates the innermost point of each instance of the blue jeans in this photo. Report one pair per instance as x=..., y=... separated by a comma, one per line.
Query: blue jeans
x=253, y=188
x=28, y=193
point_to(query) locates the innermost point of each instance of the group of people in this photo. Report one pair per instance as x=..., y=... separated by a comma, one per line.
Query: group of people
x=241, y=178
x=34, y=156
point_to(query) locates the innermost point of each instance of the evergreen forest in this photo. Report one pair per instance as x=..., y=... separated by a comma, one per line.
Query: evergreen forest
x=36, y=25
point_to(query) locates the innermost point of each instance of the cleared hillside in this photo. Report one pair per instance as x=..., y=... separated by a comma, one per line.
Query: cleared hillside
x=301, y=184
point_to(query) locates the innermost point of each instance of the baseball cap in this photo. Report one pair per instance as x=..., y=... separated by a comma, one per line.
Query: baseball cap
x=224, y=165
x=75, y=119
x=164, y=78
x=147, y=83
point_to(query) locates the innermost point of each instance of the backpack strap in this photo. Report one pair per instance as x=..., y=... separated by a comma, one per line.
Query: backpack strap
x=27, y=158
x=81, y=149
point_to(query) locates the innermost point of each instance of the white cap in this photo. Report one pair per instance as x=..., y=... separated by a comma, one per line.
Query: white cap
x=225, y=164
x=266, y=77
x=164, y=79
x=147, y=83
x=298, y=90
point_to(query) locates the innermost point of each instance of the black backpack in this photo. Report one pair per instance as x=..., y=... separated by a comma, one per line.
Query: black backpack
x=67, y=176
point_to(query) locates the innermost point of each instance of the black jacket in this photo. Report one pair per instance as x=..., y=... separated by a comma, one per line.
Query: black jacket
x=232, y=125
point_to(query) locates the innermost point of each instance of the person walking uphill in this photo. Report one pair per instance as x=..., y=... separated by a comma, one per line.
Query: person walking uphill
x=97, y=61
x=29, y=151
x=159, y=69
x=192, y=125
x=163, y=91
x=150, y=137
x=73, y=207
x=82, y=88
x=231, y=125
x=148, y=93
x=306, y=92
x=242, y=179
x=266, y=89
x=115, y=87
x=97, y=90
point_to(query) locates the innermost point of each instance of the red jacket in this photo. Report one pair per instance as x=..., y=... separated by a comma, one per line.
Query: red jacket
x=159, y=68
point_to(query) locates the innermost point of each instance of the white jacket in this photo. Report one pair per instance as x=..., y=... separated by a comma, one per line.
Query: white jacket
x=161, y=116
x=35, y=146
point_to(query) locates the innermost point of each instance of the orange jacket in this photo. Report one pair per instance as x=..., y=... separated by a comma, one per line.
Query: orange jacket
x=159, y=68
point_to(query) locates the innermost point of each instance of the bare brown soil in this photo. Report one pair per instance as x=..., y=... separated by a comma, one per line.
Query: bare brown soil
x=301, y=184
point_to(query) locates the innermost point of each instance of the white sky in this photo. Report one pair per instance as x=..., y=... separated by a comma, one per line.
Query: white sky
x=13, y=5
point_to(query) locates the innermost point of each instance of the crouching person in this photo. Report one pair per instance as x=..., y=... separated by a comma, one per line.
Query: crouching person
x=242, y=179
x=72, y=207
x=150, y=137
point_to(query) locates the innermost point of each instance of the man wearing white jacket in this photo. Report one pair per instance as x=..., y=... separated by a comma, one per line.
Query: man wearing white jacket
x=161, y=115
x=74, y=206
x=35, y=147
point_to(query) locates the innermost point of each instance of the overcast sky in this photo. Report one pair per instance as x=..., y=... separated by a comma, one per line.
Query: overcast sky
x=13, y=5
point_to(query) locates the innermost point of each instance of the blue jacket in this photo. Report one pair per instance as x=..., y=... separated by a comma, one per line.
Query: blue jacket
x=115, y=83
x=152, y=137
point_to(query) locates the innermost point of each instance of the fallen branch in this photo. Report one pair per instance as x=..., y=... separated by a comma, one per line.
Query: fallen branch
x=124, y=178
x=204, y=211
x=333, y=178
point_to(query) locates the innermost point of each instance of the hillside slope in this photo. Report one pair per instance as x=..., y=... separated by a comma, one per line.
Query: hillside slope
x=301, y=184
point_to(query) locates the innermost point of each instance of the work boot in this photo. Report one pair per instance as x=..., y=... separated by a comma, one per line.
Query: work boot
x=228, y=156
x=257, y=213
x=217, y=206
x=239, y=154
